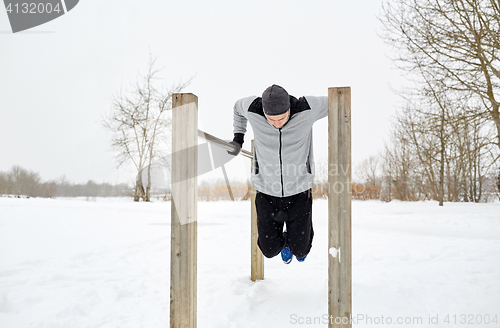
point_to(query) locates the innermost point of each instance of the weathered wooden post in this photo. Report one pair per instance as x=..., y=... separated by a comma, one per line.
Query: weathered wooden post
x=257, y=258
x=184, y=211
x=339, y=207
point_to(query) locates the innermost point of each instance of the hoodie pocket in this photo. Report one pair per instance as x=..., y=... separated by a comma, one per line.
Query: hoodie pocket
x=255, y=164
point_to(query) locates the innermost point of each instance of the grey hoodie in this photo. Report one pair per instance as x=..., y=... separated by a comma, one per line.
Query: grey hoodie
x=283, y=158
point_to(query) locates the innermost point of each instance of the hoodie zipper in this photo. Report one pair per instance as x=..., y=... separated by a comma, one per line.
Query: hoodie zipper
x=281, y=169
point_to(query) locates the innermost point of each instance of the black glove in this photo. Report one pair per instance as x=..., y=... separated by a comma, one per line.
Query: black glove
x=237, y=147
x=237, y=143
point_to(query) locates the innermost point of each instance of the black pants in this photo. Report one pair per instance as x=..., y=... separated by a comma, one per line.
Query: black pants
x=273, y=212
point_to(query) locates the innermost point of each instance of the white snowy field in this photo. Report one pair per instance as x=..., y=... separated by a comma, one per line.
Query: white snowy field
x=72, y=263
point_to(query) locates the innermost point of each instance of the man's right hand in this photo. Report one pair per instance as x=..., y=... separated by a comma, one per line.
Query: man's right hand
x=237, y=149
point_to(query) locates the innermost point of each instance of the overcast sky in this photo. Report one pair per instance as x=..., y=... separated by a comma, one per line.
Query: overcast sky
x=57, y=80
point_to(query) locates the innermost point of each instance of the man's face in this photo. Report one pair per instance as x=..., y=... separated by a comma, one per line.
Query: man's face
x=278, y=120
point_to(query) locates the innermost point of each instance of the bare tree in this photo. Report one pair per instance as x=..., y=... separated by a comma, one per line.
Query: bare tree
x=368, y=169
x=24, y=182
x=138, y=123
x=426, y=123
x=454, y=41
x=5, y=184
x=388, y=169
x=497, y=182
x=368, y=174
x=398, y=167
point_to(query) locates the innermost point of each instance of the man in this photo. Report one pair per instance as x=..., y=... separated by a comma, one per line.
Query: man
x=283, y=173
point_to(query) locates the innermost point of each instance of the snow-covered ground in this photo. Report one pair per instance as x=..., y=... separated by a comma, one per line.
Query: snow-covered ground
x=72, y=263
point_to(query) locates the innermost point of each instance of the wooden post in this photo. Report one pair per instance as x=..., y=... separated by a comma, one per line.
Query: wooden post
x=257, y=258
x=339, y=207
x=184, y=211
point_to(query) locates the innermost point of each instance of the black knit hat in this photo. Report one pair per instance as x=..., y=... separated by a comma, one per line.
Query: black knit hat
x=275, y=100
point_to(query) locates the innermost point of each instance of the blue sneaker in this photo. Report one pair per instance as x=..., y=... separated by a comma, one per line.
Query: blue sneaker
x=286, y=255
x=301, y=259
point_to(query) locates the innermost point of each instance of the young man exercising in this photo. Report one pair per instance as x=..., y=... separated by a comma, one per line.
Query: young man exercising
x=283, y=163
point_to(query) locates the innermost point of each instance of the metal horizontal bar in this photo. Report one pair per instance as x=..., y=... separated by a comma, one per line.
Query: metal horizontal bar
x=227, y=145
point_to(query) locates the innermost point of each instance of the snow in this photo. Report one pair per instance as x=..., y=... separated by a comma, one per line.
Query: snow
x=334, y=252
x=74, y=263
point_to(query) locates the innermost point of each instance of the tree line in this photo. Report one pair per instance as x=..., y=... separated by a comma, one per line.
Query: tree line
x=415, y=165
x=21, y=182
